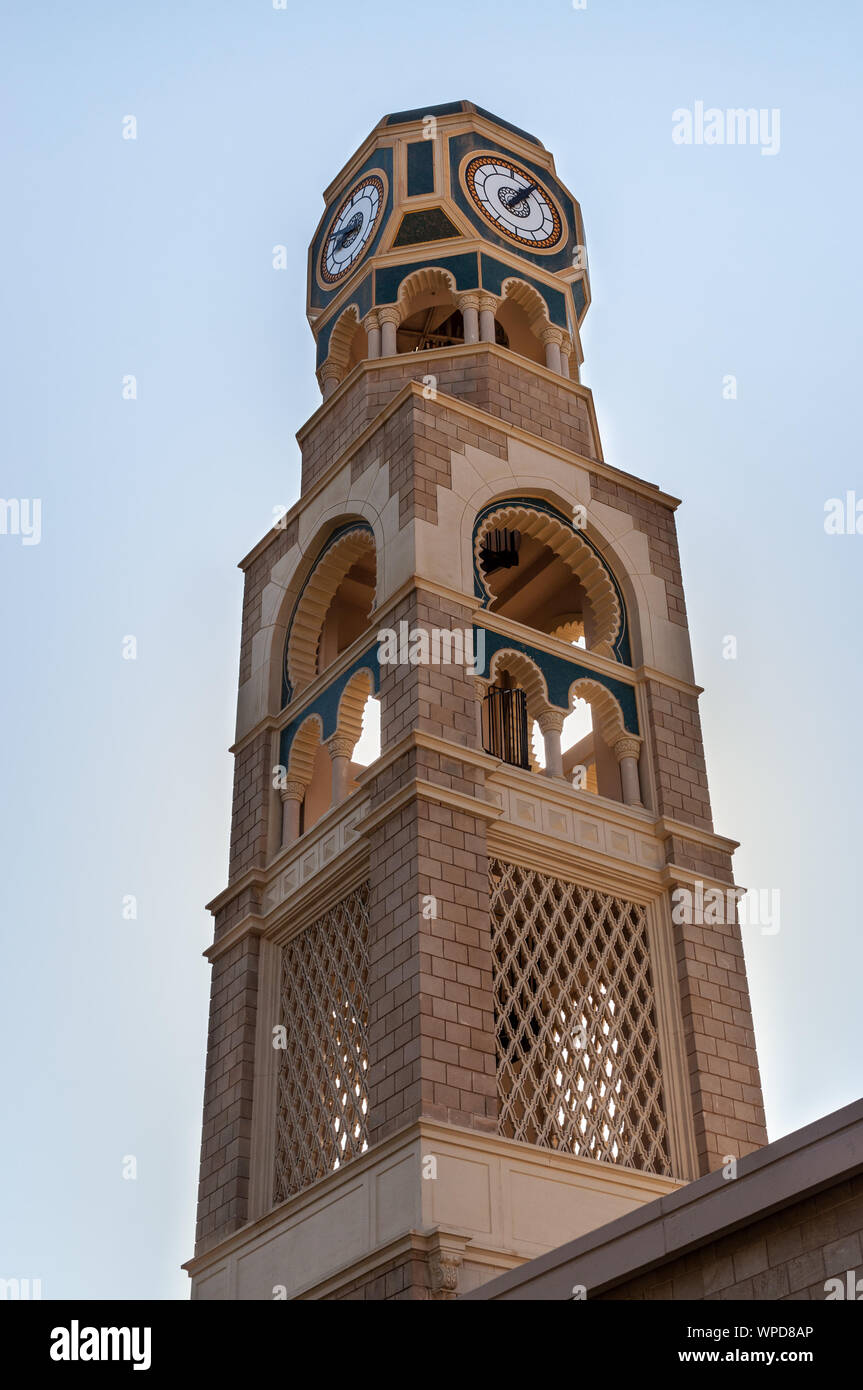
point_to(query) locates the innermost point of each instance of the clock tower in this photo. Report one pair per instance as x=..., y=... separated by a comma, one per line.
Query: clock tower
x=466, y=1001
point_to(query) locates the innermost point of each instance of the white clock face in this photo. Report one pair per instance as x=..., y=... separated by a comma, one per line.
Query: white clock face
x=352, y=229
x=514, y=201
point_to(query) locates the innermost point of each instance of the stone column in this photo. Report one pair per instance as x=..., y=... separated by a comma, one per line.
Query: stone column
x=329, y=380
x=550, y=726
x=469, y=306
x=481, y=690
x=565, y=350
x=552, y=338
x=292, y=797
x=390, y=318
x=626, y=750
x=340, y=749
x=487, y=306
x=372, y=325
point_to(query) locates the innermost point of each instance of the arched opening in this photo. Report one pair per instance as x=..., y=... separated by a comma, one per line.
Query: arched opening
x=319, y=792
x=521, y=337
x=349, y=612
x=577, y=747
x=513, y=701
x=334, y=607
x=367, y=749
x=542, y=592
x=430, y=315
x=539, y=570
x=348, y=342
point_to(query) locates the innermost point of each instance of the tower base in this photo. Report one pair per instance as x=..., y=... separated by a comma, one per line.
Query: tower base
x=429, y=1213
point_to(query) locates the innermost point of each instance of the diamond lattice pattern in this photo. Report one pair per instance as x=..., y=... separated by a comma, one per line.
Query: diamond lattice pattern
x=578, y=1063
x=323, y=1099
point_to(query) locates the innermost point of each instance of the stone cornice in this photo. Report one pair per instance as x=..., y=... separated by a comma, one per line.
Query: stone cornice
x=666, y=827
x=428, y=791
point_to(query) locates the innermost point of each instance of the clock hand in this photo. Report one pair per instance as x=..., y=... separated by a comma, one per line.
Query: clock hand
x=520, y=197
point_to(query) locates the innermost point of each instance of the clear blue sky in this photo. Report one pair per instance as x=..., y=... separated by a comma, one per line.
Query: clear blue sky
x=153, y=257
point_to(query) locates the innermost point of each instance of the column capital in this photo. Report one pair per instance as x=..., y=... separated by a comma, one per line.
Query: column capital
x=480, y=689
x=390, y=313
x=340, y=746
x=488, y=303
x=550, y=720
x=468, y=301
x=550, y=334
x=328, y=378
x=293, y=791
x=371, y=320
x=629, y=746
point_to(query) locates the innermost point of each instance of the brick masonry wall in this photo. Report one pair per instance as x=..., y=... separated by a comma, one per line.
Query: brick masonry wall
x=256, y=579
x=501, y=384
x=787, y=1256
x=679, y=768
x=252, y=784
x=431, y=1028
x=404, y=1278
x=656, y=521
x=725, y=1084
x=226, y=1142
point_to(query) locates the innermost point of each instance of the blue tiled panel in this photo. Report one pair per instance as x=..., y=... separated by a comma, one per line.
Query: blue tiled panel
x=420, y=168
x=560, y=673
x=464, y=267
x=495, y=272
x=362, y=298
x=327, y=703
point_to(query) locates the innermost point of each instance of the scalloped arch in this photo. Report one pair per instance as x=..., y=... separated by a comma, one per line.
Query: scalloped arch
x=529, y=299
x=342, y=337
x=315, y=599
x=568, y=545
x=307, y=741
x=608, y=712
x=427, y=280
x=528, y=675
x=352, y=703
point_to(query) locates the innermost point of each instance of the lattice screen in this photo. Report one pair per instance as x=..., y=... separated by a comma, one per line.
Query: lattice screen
x=578, y=1063
x=323, y=1101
